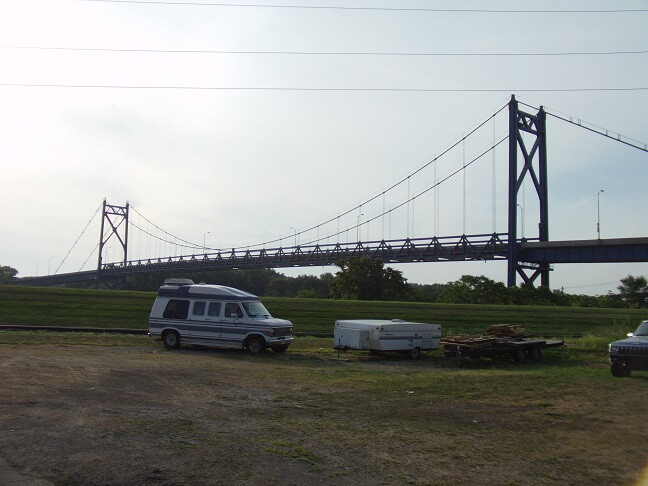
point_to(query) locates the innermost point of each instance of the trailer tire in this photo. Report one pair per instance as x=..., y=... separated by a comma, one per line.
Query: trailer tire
x=521, y=355
x=255, y=345
x=415, y=353
x=171, y=339
x=535, y=353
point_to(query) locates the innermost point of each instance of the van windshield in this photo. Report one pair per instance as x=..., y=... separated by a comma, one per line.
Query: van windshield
x=256, y=309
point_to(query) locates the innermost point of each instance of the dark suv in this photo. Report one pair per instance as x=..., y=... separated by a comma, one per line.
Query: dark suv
x=630, y=354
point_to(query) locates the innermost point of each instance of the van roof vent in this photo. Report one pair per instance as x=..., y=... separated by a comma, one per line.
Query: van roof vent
x=178, y=281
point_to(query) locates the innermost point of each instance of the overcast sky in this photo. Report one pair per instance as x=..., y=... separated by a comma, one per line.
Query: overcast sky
x=235, y=167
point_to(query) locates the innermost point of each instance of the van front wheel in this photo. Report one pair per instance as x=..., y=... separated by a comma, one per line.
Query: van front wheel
x=171, y=339
x=255, y=345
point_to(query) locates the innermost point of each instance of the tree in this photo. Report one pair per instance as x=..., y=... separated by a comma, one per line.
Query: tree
x=7, y=274
x=366, y=279
x=634, y=291
x=475, y=290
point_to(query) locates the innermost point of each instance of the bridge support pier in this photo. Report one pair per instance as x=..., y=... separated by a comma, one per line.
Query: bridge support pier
x=533, y=127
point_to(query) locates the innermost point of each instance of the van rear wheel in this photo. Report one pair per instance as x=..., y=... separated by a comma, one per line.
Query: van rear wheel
x=171, y=339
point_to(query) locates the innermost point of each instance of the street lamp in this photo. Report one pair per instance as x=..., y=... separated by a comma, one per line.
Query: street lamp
x=358, y=226
x=205, y=241
x=522, y=218
x=598, y=213
x=295, y=231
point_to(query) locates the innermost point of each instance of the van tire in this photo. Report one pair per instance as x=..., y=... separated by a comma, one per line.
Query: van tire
x=171, y=339
x=255, y=345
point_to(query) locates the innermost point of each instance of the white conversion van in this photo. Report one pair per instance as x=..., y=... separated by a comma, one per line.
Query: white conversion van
x=215, y=315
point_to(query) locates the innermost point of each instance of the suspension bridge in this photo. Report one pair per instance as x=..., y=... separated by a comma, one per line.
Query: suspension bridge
x=529, y=258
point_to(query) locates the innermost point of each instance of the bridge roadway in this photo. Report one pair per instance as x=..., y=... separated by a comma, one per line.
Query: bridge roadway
x=451, y=248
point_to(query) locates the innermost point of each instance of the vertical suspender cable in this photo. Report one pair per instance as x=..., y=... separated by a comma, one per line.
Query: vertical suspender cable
x=494, y=182
x=413, y=201
x=463, y=143
x=436, y=202
x=383, y=217
x=408, y=206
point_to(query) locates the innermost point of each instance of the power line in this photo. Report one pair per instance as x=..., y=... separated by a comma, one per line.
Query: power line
x=329, y=53
x=381, y=9
x=283, y=88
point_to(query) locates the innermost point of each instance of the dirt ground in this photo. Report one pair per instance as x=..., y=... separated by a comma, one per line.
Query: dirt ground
x=121, y=415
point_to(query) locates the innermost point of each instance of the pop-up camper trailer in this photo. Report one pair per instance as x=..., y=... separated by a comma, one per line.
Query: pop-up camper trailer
x=382, y=335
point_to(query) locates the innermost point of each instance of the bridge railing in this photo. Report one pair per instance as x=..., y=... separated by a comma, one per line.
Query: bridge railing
x=492, y=246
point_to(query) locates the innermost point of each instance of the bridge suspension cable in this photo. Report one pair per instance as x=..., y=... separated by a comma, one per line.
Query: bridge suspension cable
x=419, y=194
x=78, y=238
x=380, y=194
x=594, y=128
x=177, y=238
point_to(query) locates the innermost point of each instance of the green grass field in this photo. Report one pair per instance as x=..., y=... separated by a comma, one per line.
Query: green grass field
x=122, y=309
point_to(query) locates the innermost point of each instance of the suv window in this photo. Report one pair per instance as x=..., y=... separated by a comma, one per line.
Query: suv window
x=214, y=309
x=199, y=308
x=176, y=309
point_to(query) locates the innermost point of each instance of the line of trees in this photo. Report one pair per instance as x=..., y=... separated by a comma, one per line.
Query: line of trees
x=368, y=279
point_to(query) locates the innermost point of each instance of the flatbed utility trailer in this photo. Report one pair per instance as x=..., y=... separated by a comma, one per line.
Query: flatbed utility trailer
x=519, y=349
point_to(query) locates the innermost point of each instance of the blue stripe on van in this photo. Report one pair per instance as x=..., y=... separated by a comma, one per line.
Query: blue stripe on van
x=216, y=327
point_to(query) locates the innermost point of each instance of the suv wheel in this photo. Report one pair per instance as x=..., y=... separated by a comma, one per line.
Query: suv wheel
x=620, y=369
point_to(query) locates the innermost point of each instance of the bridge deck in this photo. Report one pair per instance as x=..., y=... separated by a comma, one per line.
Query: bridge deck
x=436, y=249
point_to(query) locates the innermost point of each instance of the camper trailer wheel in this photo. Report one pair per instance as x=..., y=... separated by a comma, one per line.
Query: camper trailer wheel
x=255, y=345
x=171, y=339
x=415, y=353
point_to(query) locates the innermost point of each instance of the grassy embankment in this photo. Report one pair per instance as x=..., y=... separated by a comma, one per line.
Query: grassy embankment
x=126, y=309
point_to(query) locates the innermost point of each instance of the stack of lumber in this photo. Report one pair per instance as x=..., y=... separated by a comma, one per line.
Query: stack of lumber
x=498, y=333
x=469, y=340
x=506, y=330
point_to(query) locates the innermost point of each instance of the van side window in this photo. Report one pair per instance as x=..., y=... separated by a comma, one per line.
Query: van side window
x=176, y=309
x=233, y=310
x=214, y=309
x=199, y=308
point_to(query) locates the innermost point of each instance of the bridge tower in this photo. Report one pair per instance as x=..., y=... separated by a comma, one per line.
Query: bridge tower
x=117, y=218
x=535, y=127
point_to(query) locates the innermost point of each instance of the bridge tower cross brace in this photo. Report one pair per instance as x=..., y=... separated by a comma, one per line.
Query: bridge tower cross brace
x=116, y=216
x=535, y=126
